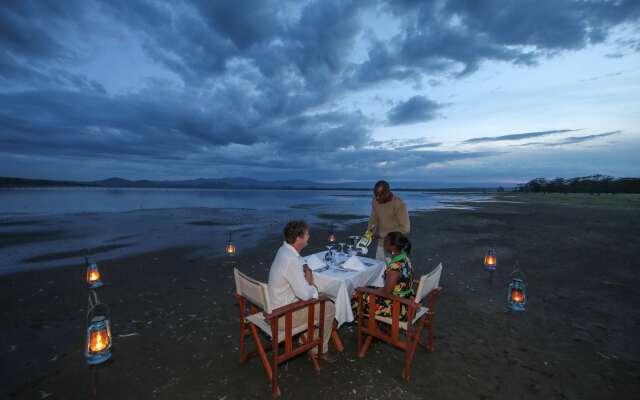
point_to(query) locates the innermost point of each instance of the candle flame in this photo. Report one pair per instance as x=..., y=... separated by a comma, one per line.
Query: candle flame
x=94, y=275
x=517, y=296
x=99, y=340
x=231, y=249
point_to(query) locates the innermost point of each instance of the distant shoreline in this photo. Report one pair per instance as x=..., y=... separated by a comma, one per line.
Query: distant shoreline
x=435, y=191
x=221, y=184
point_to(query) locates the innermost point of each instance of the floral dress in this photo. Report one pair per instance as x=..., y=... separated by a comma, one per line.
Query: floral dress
x=403, y=287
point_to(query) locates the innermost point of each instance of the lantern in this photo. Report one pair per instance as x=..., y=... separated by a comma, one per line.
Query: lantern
x=490, y=260
x=332, y=236
x=93, y=275
x=98, y=341
x=230, y=249
x=516, y=295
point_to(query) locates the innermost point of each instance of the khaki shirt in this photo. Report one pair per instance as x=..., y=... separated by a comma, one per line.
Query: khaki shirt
x=391, y=216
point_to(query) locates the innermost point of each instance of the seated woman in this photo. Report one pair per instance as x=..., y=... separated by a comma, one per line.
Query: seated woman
x=398, y=276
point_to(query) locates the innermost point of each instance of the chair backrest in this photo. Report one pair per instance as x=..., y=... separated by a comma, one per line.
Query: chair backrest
x=253, y=290
x=428, y=282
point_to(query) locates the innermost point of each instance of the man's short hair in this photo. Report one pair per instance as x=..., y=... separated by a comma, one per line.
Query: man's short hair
x=294, y=230
x=381, y=184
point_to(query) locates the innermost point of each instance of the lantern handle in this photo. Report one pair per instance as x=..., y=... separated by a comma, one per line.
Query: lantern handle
x=93, y=303
x=517, y=270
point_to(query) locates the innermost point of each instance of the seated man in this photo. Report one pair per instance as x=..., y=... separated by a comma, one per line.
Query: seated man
x=291, y=280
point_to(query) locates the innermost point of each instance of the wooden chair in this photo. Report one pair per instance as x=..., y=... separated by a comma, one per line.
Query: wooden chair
x=254, y=293
x=390, y=329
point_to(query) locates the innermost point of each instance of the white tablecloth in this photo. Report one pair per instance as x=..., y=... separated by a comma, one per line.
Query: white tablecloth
x=340, y=285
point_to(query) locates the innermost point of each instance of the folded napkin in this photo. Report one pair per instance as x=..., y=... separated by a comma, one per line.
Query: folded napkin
x=354, y=264
x=316, y=261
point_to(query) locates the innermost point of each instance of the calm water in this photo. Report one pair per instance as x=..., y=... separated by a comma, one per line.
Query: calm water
x=45, y=228
x=55, y=201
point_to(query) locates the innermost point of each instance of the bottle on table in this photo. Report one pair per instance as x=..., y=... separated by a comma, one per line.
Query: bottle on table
x=366, y=239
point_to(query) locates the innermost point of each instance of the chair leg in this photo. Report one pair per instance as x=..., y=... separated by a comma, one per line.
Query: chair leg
x=275, y=389
x=429, y=345
x=411, y=349
x=243, y=329
x=243, y=332
x=261, y=353
x=336, y=338
x=363, y=351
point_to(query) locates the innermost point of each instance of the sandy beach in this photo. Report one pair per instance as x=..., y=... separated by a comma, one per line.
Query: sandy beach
x=175, y=320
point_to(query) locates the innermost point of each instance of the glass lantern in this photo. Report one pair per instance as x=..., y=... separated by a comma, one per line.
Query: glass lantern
x=230, y=248
x=93, y=276
x=98, y=348
x=490, y=260
x=516, y=295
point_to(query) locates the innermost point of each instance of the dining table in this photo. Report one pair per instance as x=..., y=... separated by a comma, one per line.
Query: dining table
x=338, y=282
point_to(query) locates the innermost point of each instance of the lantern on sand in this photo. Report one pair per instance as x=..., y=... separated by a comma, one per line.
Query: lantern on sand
x=516, y=295
x=230, y=249
x=93, y=275
x=98, y=348
x=490, y=260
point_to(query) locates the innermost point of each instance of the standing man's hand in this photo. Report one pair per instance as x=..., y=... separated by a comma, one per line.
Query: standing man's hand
x=308, y=274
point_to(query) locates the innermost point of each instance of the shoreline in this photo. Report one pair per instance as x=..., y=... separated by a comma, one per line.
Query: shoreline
x=41, y=242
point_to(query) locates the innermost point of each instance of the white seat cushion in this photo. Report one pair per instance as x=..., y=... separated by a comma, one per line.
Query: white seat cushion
x=258, y=320
x=403, y=324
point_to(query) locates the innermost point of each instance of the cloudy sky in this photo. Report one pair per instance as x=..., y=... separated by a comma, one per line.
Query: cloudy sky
x=434, y=91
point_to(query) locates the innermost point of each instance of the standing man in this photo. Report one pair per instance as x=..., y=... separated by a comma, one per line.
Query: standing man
x=290, y=280
x=388, y=214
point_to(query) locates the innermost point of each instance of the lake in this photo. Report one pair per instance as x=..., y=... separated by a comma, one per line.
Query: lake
x=49, y=227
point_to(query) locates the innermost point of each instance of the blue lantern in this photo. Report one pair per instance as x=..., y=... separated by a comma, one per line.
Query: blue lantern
x=93, y=275
x=98, y=348
x=516, y=295
x=490, y=260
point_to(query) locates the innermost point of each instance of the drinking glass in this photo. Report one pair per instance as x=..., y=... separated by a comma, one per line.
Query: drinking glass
x=328, y=257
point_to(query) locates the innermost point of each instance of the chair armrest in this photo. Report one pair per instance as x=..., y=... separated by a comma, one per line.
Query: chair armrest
x=278, y=312
x=380, y=293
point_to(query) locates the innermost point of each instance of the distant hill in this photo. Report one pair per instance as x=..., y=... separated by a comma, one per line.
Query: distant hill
x=241, y=183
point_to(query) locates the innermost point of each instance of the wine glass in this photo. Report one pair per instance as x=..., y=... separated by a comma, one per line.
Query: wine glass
x=328, y=257
x=342, y=247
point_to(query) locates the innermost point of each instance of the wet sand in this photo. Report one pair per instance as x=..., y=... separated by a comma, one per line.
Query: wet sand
x=175, y=320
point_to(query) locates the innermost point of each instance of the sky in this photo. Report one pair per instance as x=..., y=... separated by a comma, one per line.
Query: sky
x=455, y=91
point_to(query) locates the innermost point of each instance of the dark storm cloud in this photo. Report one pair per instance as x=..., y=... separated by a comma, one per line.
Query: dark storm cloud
x=32, y=52
x=517, y=136
x=416, y=109
x=458, y=35
x=259, y=79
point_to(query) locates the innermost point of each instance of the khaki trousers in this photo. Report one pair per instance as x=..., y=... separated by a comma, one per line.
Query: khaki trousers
x=300, y=318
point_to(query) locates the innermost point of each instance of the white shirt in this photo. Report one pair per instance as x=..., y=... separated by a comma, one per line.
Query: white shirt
x=286, y=278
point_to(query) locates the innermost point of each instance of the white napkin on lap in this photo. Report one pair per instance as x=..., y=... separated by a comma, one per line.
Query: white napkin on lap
x=354, y=264
x=314, y=261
